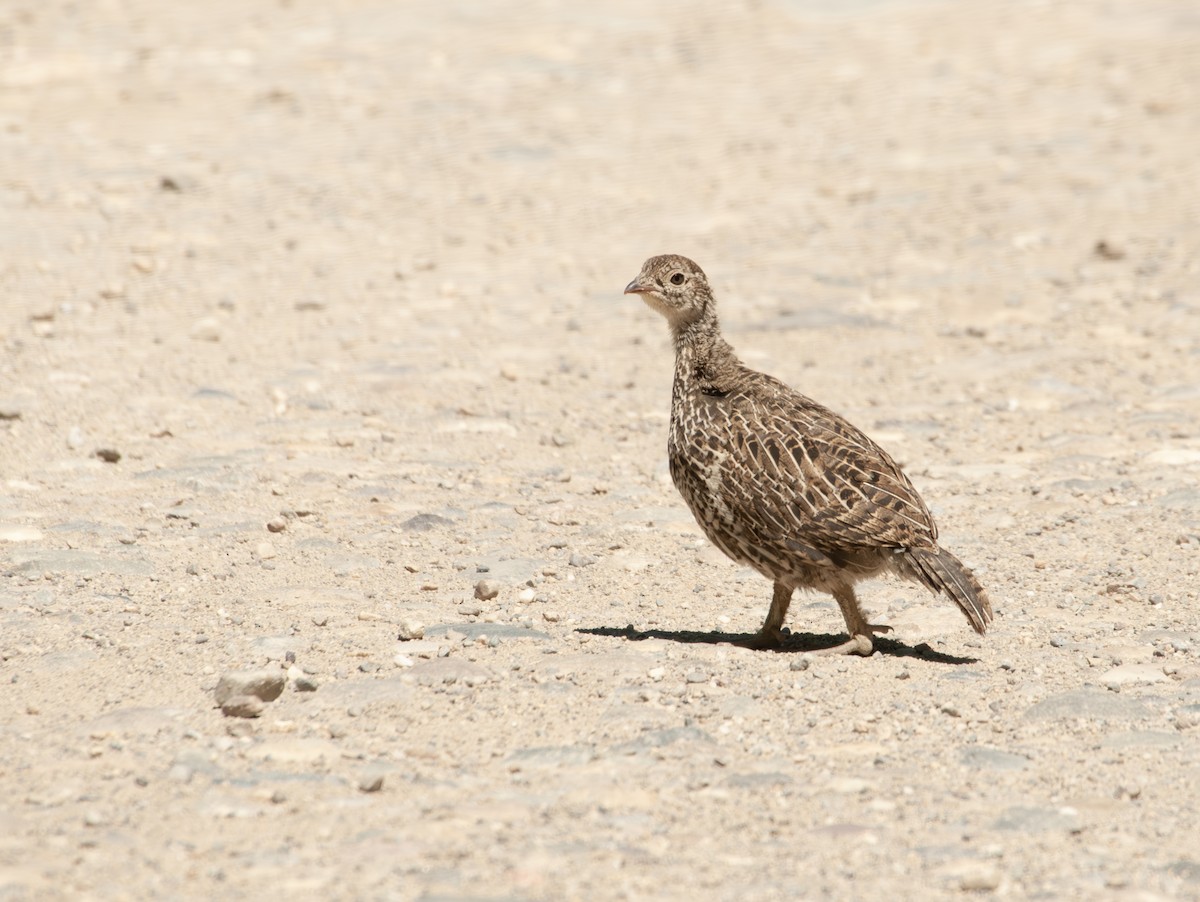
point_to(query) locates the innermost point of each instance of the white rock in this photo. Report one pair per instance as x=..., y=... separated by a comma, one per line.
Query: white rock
x=1133, y=674
x=411, y=629
x=20, y=534
x=848, y=785
x=206, y=329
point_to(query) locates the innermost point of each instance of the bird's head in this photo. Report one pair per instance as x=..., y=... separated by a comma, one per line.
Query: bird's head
x=675, y=287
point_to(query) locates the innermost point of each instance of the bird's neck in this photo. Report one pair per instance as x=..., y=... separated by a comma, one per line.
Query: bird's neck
x=700, y=348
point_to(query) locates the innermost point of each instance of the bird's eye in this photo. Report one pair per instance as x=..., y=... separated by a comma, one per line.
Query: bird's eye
x=677, y=279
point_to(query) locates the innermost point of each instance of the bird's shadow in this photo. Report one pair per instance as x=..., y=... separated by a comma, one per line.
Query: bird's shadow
x=796, y=643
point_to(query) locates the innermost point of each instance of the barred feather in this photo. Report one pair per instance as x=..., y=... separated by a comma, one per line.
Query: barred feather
x=941, y=571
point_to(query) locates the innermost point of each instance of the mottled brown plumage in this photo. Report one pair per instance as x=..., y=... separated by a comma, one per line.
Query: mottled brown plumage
x=783, y=484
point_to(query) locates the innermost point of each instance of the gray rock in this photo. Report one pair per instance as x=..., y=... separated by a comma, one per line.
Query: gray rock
x=757, y=780
x=425, y=522
x=1186, y=869
x=242, y=706
x=79, y=563
x=410, y=630
x=487, y=589
x=1140, y=739
x=276, y=648
x=1093, y=704
x=656, y=739
x=396, y=691
x=983, y=757
x=449, y=670
x=491, y=630
x=138, y=722
x=370, y=782
x=343, y=564
x=266, y=685
x=552, y=756
x=1036, y=820
x=1187, y=716
x=1179, y=499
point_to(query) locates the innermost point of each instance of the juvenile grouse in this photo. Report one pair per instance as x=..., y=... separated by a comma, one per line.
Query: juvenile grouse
x=783, y=484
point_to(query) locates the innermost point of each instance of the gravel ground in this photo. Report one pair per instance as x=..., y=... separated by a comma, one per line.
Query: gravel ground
x=313, y=337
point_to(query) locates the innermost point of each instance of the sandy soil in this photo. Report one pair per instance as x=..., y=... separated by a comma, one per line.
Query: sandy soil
x=359, y=273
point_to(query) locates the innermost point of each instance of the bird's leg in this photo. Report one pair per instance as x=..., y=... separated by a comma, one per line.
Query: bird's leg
x=771, y=634
x=856, y=624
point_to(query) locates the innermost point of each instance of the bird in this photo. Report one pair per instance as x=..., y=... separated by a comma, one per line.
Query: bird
x=783, y=484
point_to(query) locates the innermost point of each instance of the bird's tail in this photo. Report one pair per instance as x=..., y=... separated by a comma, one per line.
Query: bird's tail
x=943, y=572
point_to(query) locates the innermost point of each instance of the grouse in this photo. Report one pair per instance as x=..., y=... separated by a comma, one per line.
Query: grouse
x=782, y=483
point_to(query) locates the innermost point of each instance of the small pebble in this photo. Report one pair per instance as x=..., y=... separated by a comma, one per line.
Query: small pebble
x=266, y=685
x=276, y=524
x=206, y=329
x=487, y=589
x=300, y=680
x=470, y=609
x=849, y=785
x=75, y=438
x=243, y=706
x=696, y=676
x=370, y=782
x=979, y=880
x=1185, y=720
x=411, y=629
x=800, y=662
x=108, y=455
x=526, y=596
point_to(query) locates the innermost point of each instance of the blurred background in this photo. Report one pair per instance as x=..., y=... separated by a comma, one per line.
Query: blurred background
x=865, y=159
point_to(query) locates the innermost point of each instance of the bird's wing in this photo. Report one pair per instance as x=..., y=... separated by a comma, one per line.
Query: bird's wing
x=801, y=471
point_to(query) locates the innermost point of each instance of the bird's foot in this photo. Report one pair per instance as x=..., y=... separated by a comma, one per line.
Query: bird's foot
x=858, y=644
x=765, y=640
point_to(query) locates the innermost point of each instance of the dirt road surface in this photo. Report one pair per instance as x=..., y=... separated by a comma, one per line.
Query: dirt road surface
x=311, y=321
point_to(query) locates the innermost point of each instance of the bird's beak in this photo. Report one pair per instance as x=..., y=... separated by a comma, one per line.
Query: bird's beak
x=636, y=287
